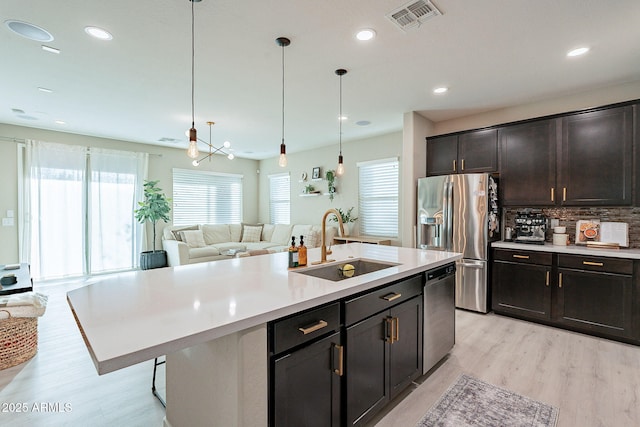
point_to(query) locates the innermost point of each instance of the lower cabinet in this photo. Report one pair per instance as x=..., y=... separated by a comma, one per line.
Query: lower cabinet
x=594, y=295
x=384, y=354
x=341, y=363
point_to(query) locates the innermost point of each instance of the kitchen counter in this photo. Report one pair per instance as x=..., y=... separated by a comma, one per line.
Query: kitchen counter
x=169, y=309
x=571, y=249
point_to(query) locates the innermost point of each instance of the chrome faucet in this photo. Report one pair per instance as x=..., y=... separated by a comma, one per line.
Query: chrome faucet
x=323, y=247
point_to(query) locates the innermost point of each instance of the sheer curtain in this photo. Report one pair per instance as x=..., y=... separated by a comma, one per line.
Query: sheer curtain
x=78, y=207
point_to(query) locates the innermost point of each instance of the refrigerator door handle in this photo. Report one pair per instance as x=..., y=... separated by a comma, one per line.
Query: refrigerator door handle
x=448, y=214
x=472, y=264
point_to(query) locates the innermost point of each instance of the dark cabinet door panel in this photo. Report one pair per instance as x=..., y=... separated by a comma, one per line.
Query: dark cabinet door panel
x=522, y=289
x=478, y=151
x=528, y=164
x=405, y=353
x=366, y=370
x=598, y=302
x=306, y=389
x=596, y=160
x=442, y=155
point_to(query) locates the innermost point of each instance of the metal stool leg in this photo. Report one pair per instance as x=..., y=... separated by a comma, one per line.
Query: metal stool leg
x=153, y=382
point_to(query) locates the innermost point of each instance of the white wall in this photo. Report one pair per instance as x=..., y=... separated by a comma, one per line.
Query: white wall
x=161, y=162
x=309, y=210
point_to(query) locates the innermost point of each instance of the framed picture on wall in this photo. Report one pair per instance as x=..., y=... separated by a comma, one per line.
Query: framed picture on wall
x=316, y=173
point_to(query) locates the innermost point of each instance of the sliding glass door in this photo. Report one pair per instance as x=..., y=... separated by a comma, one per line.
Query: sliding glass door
x=79, y=205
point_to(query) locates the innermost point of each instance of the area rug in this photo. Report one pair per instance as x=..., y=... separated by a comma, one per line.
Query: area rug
x=471, y=402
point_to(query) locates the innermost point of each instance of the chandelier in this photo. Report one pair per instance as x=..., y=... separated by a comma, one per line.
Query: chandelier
x=213, y=149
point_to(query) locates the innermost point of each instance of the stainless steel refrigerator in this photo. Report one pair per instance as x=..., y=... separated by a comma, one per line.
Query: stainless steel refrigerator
x=459, y=213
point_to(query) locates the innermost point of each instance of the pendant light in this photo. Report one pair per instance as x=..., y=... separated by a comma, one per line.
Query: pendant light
x=340, y=169
x=213, y=149
x=282, y=160
x=192, y=151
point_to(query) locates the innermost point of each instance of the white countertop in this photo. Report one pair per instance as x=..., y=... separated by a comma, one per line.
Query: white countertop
x=136, y=316
x=571, y=249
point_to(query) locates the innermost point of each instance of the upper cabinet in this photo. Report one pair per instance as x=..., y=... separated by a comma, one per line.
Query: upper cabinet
x=581, y=159
x=528, y=163
x=470, y=152
x=595, y=165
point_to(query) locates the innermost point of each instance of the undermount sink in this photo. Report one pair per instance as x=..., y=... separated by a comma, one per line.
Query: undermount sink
x=334, y=270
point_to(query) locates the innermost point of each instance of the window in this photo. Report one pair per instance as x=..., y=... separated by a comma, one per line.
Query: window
x=206, y=197
x=279, y=198
x=378, y=199
x=78, y=204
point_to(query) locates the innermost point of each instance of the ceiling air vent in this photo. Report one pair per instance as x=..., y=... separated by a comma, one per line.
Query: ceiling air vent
x=412, y=14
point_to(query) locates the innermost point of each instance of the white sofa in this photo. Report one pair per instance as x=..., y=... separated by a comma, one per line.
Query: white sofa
x=211, y=242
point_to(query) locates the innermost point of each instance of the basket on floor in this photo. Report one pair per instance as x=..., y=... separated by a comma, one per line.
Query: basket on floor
x=18, y=340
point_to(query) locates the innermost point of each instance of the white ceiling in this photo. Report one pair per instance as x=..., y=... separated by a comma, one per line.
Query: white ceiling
x=137, y=87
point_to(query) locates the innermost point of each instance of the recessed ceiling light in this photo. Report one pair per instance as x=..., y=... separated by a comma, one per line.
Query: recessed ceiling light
x=44, y=89
x=60, y=122
x=30, y=31
x=365, y=34
x=442, y=89
x=98, y=33
x=363, y=122
x=50, y=49
x=577, y=52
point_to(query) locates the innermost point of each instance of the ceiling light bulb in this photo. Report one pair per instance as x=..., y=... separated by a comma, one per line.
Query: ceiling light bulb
x=195, y=163
x=340, y=169
x=44, y=89
x=227, y=144
x=50, y=49
x=440, y=89
x=192, y=151
x=61, y=122
x=342, y=118
x=231, y=156
x=579, y=51
x=366, y=34
x=98, y=33
x=282, y=161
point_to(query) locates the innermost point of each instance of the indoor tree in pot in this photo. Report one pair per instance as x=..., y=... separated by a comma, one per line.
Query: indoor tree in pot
x=347, y=218
x=153, y=208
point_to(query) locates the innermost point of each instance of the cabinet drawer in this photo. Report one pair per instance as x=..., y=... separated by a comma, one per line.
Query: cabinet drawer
x=525, y=257
x=604, y=264
x=377, y=300
x=300, y=328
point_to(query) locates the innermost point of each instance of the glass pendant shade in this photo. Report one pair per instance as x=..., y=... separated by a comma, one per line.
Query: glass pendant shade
x=340, y=169
x=192, y=151
x=282, y=161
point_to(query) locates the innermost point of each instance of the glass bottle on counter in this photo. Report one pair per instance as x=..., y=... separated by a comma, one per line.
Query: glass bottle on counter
x=293, y=253
x=302, y=253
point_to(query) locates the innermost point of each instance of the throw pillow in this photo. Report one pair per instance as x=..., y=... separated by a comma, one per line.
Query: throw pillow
x=251, y=233
x=245, y=226
x=176, y=231
x=216, y=233
x=312, y=239
x=193, y=238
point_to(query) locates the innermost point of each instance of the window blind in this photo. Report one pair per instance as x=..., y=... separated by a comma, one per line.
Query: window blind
x=206, y=197
x=279, y=198
x=378, y=198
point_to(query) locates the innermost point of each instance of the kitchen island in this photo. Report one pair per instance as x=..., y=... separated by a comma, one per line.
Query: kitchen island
x=210, y=320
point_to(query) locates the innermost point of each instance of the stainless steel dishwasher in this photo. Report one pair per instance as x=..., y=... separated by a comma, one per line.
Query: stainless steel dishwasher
x=439, y=314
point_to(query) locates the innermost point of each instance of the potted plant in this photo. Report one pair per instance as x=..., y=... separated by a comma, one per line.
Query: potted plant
x=347, y=218
x=153, y=208
x=330, y=175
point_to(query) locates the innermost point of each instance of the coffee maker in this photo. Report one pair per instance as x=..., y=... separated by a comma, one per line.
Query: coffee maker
x=530, y=226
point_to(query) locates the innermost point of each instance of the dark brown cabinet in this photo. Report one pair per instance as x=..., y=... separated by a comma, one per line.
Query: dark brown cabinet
x=594, y=295
x=528, y=163
x=470, y=152
x=521, y=284
x=383, y=348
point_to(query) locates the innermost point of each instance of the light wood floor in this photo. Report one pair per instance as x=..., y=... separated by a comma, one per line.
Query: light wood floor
x=594, y=382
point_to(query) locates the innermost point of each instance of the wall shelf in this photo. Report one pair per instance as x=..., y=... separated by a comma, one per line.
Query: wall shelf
x=309, y=194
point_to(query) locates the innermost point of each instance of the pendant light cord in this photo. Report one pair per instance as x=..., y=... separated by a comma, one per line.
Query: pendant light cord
x=340, y=118
x=193, y=54
x=283, y=46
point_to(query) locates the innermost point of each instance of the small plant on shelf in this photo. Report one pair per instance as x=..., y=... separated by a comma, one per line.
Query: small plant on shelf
x=330, y=175
x=309, y=188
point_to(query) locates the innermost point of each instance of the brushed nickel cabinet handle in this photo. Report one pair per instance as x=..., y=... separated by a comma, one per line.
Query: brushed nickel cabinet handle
x=340, y=369
x=391, y=296
x=547, y=281
x=521, y=256
x=462, y=165
x=560, y=280
x=597, y=264
x=564, y=194
x=454, y=165
x=553, y=195
x=312, y=328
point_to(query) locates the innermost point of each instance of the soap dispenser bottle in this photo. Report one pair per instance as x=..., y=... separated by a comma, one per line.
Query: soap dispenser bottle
x=302, y=253
x=293, y=253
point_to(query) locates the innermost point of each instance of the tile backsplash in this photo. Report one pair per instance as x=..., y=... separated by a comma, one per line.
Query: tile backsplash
x=568, y=217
